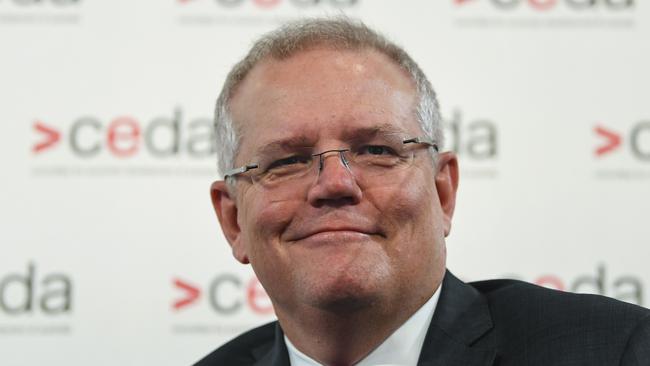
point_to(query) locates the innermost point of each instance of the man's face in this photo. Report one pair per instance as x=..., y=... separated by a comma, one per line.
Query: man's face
x=339, y=240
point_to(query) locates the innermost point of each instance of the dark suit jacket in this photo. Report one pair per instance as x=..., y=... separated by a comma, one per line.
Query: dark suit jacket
x=498, y=322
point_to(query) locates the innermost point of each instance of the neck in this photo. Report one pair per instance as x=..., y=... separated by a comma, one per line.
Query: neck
x=342, y=337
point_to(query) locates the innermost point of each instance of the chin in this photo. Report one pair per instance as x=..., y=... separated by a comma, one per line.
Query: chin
x=346, y=305
x=347, y=289
x=344, y=301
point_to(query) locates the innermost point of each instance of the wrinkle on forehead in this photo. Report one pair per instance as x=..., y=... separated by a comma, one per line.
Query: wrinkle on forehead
x=285, y=97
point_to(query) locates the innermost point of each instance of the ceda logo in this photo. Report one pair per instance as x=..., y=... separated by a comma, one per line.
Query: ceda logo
x=126, y=136
x=636, y=141
x=170, y=144
x=33, y=290
x=627, y=287
x=48, y=12
x=225, y=294
x=622, y=153
x=547, y=5
x=269, y=4
x=24, y=4
x=554, y=14
x=245, y=13
x=476, y=141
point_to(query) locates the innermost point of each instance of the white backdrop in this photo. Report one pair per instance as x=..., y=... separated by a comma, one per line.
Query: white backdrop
x=111, y=253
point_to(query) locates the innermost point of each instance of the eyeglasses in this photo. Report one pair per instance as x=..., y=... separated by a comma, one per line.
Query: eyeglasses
x=375, y=157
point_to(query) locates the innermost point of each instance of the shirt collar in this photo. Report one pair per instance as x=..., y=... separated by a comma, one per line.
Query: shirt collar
x=400, y=348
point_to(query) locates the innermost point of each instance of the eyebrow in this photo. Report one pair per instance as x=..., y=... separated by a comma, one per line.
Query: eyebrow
x=285, y=144
x=354, y=135
x=366, y=133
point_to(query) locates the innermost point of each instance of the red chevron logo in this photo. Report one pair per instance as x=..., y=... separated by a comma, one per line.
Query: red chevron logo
x=612, y=140
x=191, y=294
x=52, y=136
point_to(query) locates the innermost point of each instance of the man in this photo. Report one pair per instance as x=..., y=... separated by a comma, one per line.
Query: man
x=336, y=194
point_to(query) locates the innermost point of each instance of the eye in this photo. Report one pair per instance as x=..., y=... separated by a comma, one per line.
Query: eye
x=376, y=150
x=289, y=162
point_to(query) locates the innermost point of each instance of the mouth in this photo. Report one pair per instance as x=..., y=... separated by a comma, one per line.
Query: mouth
x=338, y=234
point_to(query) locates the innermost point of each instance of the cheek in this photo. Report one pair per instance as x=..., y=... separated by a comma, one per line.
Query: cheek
x=262, y=222
x=412, y=217
x=406, y=204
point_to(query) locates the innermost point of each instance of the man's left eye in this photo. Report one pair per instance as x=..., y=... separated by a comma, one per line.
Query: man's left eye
x=376, y=150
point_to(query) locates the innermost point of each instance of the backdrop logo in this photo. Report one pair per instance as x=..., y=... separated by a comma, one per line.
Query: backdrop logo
x=626, y=287
x=124, y=144
x=225, y=294
x=190, y=294
x=24, y=4
x=476, y=141
x=30, y=291
x=545, y=5
x=563, y=14
x=126, y=136
x=269, y=4
x=255, y=12
x=622, y=153
x=34, y=300
x=39, y=11
x=50, y=137
x=637, y=140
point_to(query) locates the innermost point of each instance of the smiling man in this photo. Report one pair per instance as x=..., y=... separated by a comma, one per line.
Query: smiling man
x=336, y=193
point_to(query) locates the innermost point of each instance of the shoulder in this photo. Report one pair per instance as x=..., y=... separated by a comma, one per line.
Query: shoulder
x=245, y=349
x=539, y=320
x=517, y=296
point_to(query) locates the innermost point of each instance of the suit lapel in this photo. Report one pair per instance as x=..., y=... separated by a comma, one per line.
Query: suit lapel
x=277, y=355
x=458, y=334
x=459, y=331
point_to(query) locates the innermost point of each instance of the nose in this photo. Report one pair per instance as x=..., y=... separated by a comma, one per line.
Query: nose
x=335, y=184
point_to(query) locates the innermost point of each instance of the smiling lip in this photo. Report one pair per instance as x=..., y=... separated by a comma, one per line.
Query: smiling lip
x=334, y=237
x=337, y=232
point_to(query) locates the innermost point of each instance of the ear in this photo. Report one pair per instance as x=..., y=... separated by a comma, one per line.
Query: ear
x=226, y=210
x=447, y=185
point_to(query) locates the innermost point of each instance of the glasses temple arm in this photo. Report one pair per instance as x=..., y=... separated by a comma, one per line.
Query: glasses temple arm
x=241, y=169
x=421, y=140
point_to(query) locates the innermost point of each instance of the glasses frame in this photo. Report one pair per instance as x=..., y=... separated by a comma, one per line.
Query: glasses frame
x=232, y=173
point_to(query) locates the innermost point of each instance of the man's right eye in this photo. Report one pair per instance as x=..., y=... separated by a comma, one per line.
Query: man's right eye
x=290, y=162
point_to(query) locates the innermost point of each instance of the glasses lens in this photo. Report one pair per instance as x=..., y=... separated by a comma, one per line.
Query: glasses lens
x=381, y=155
x=278, y=168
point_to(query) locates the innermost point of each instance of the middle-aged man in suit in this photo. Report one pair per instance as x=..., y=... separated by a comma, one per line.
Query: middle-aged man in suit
x=336, y=193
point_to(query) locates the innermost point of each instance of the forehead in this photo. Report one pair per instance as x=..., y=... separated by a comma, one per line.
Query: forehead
x=322, y=93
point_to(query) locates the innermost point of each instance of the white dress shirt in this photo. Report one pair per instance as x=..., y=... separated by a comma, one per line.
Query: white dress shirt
x=402, y=348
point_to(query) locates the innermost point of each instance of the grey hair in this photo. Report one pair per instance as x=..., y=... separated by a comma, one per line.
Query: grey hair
x=294, y=37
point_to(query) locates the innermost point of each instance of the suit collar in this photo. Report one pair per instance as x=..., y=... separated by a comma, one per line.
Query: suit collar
x=458, y=334
x=459, y=330
x=277, y=355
